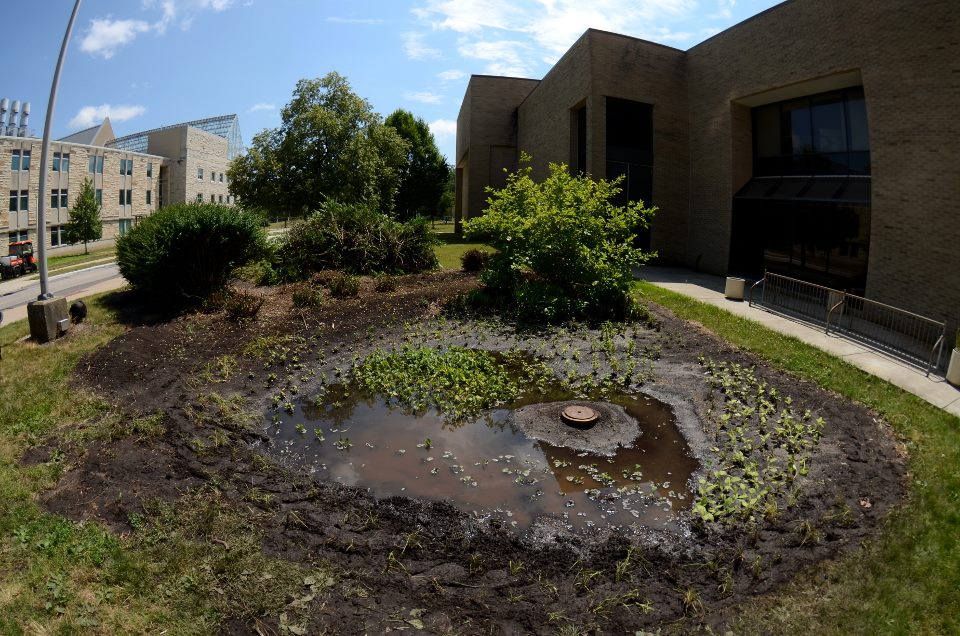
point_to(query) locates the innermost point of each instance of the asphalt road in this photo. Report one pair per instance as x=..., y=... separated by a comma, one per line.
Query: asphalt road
x=16, y=293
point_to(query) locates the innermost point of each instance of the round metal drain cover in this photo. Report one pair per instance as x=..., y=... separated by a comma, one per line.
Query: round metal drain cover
x=579, y=415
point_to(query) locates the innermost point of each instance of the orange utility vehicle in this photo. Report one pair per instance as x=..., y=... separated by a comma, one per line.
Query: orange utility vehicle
x=19, y=261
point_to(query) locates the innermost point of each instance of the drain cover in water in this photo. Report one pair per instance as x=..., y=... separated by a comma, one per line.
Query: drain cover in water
x=578, y=415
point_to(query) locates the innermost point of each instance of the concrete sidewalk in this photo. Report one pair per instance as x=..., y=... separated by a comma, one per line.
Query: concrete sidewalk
x=709, y=289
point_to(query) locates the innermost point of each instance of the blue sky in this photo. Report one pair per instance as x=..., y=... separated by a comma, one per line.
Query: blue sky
x=155, y=62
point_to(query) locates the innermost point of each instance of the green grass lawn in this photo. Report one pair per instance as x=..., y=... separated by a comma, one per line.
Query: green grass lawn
x=906, y=581
x=61, y=262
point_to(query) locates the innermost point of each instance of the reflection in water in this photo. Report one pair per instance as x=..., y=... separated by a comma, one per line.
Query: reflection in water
x=490, y=467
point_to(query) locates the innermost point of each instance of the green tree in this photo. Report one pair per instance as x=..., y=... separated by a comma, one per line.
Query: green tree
x=424, y=179
x=564, y=251
x=330, y=145
x=85, y=223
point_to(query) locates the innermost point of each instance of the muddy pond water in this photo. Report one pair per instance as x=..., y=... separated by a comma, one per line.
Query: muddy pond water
x=487, y=466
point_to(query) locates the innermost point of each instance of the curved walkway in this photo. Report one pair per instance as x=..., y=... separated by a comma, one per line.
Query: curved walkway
x=709, y=289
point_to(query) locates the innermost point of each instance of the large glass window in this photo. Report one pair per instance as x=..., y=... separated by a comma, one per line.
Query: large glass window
x=822, y=134
x=630, y=154
x=149, y=169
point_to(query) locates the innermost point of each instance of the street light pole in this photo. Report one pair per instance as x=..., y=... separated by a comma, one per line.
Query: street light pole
x=44, y=155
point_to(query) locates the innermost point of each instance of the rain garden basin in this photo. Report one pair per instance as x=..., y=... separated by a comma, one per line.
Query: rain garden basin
x=498, y=464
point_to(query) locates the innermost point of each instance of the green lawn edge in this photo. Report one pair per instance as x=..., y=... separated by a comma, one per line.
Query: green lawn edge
x=907, y=579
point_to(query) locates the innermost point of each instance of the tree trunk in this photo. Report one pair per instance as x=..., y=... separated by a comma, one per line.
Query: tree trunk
x=85, y=250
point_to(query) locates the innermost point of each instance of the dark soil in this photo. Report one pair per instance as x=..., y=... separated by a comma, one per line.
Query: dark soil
x=468, y=576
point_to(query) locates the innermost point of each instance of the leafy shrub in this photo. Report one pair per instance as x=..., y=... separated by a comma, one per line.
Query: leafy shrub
x=184, y=253
x=238, y=305
x=474, y=260
x=564, y=250
x=357, y=239
x=308, y=296
x=343, y=285
x=384, y=282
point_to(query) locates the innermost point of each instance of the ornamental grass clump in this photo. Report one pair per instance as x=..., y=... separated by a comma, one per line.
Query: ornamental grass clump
x=564, y=250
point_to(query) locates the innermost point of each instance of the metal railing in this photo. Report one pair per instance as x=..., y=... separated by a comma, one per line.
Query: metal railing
x=904, y=334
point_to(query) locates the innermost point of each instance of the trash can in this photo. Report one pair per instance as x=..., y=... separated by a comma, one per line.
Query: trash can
x=734, y=288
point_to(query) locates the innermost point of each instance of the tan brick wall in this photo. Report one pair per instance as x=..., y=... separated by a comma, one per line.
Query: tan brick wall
x=487, y=135
x=110, y=182
x=908, y=54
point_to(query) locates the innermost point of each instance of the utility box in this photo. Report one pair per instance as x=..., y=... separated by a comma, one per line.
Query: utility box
x=45, y=317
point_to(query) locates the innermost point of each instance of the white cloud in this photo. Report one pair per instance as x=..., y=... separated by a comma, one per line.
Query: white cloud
x=338, y=20
x=90, y=116
x=505, y=57
x=105, y=36
x=443, y=128
x=423, y=97
x=415, y=48
x=451, y=75
x=261, y=106
x=515, y=36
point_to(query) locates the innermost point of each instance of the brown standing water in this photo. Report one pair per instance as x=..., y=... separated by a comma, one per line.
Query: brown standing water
x=487, y=466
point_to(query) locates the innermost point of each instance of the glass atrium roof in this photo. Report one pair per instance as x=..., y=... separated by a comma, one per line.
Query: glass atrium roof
x=226, y=126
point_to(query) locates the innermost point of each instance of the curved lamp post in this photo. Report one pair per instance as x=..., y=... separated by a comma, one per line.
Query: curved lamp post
x=47, y=313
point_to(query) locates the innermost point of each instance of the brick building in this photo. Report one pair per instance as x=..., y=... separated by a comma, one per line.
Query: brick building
x=132, y=176
x=816, y=139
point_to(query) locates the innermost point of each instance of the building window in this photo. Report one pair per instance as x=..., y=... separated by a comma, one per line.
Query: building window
x=21, y=197
x=122, y=197
x=126, y=167
x=61, y=162
x=149, y=170
x=58, y=198
x=221, y=199
x=213, y=198
x=19, y=160
x=57, y=235
x=823, y=134
x=98, y=193
x=199, y=174
x=21, y=235
x=95, y=165
x=213, y=175
x=221, y=177
x=199, y=197
x=124, y=226
x=149, y=195
x=129, y=197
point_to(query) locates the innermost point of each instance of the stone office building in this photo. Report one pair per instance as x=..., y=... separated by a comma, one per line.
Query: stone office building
x=818, y=139
x=132, y=176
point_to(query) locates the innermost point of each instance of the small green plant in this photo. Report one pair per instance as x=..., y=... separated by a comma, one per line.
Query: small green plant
x=307, y=296
x=384, y=282
x=343, y=285
x=474, y=260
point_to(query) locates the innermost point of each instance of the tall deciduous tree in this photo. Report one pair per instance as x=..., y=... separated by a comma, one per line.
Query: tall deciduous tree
x=424, y=179
x=330, y=145
x=85, y=223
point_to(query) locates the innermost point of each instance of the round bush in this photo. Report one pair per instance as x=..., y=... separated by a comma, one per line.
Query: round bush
x=474, y=260
x=184, y=253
